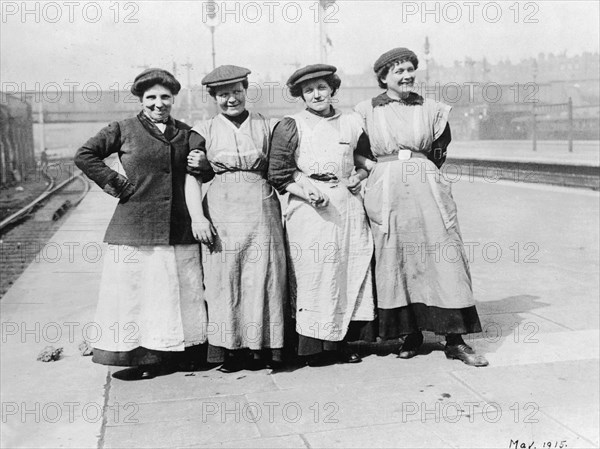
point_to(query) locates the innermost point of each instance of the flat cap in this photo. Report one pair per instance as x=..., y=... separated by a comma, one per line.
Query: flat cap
x=225, y=74
x=152, y=77
x=310, y=72
x=395, y=54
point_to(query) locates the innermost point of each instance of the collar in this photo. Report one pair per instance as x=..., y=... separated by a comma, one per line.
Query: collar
x=331, y=114
x=170, y=131
x=155, y=121
x=237, y=120
x=412, y=99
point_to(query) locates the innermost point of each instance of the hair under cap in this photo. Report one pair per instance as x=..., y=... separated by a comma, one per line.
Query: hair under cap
x=225, y=74
x=310, y=72
x=395, y=54
x=151, y=77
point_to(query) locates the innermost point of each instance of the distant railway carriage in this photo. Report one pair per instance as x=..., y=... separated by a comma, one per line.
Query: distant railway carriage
x=16, y=139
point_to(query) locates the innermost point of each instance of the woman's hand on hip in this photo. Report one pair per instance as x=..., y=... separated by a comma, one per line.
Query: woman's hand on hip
x=204, y=231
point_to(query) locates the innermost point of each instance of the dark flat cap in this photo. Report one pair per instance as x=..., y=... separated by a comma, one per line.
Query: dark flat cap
x=152, y=77
x=225, y=74
x=395, y=54
x=310, y=72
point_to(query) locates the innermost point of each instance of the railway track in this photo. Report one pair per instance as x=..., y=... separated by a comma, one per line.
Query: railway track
x=25, y=232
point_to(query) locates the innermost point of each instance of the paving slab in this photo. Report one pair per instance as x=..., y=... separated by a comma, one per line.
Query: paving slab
x=188, y=432
x=289, y=441
x=197, y=385
x=337, y=405
x=398, y=435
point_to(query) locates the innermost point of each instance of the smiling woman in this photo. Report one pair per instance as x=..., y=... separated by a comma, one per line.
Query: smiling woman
x=157, y=102
x=239, y=224
x=159, y=300
x=416, y=291
x=312, y=158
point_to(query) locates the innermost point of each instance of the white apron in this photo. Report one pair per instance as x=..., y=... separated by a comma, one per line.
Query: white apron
x=150, y=296
x=330, y=248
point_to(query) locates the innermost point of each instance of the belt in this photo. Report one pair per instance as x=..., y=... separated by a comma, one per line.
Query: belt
x=246, y=175
x=324, y=177
x=401, y=155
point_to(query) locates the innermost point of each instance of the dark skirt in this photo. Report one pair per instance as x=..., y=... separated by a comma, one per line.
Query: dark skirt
x=357, y=331
x=218, y=354
x=143, y=357
x=394, y=323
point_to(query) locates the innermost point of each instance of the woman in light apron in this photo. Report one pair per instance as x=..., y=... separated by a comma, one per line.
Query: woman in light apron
x=422, y=274
x=329, y=242
x=240, y=225
x=151, y=309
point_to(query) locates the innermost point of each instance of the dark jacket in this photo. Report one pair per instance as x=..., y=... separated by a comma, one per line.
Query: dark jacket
x=152, y=209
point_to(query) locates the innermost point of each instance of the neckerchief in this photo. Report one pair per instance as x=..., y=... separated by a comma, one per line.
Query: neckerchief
x=330, y=114
x=237, y=120
x=170, y=131
x=412, y=99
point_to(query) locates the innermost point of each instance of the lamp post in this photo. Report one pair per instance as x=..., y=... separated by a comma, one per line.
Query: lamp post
x=426, y=51
x=212, y=23
x=533, y=109
x=188, y=67
x=324, y=40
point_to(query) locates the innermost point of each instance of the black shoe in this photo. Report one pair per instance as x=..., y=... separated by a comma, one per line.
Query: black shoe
x=465, y=354
x=411, y=345
x=193, y=358
x=351, y=357
x=322, y=359
x=274, y=364
x=232, y=365
x=144, y=372
x=256, y=364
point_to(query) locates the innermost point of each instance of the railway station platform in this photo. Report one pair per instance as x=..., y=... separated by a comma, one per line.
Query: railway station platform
x=533, y=252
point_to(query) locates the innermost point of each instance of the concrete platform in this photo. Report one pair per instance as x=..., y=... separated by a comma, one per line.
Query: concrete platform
x=585, y=152
x=535, y=265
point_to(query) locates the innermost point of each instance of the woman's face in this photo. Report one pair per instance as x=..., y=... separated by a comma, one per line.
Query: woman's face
x=231, y=98
x=157, y=102
x=401, y=78
x=317, y=95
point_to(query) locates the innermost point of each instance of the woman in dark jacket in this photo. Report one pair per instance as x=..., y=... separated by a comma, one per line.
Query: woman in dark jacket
x=151, y=304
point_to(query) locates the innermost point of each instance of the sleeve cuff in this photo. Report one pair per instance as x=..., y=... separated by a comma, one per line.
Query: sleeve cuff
x=119, y=187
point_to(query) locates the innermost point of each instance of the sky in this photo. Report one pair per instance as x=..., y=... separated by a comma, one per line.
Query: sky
x=108, y=43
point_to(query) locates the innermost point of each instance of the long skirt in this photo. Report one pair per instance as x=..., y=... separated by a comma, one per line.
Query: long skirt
x=330, y=260
x=245, y=269
x=421, y=269
x=151, y=302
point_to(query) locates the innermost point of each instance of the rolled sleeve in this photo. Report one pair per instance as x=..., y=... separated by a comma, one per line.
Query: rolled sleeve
x=439, y=147
x=204, y=172
x=363, y=147
x=282, y=162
